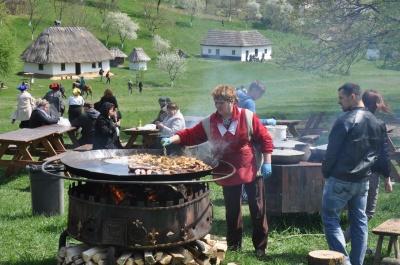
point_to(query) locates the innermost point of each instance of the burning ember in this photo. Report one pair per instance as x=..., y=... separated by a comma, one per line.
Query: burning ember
x=118, y=195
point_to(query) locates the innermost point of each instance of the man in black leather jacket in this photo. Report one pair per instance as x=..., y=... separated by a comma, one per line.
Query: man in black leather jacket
x=353, y=148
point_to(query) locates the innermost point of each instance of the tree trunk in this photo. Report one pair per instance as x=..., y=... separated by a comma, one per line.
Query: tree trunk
x=326, y=257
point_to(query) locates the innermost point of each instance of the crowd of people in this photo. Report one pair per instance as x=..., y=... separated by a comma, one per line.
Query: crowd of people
x=357, y=152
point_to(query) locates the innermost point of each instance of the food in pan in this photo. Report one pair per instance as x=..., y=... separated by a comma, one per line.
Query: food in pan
x=147, y=164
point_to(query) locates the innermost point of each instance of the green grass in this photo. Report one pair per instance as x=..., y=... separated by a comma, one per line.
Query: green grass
x=34, y=240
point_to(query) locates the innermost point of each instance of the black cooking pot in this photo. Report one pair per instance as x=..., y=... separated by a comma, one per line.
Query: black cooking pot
x=105, y=165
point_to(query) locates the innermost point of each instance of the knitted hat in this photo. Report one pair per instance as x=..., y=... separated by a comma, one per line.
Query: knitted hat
x=22, y=87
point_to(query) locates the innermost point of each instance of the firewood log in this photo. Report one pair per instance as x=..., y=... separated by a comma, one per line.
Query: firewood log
x=165, y=259
x=203, y=260
x=177, y=258
x=187, y=256
x=130, y=261
x=138, y=257
x=149, y=258
x=88, y=254
x=98, y=256
x=158, y=255
x=123, y=258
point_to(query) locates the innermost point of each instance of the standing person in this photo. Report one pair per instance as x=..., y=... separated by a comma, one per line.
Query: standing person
x=140, y=87
x=108, y=77
x=101, y=72
x=55, y=98
x=26, y=104
x=75, y=103
x=173, y=123
x=228, y=131
x=353, y=148
x=374, y=101
x=106, y=129
x=163, y=101
x=86, y=121
x=108, y=97
x=40, y=115
x=247, y=99
x=130, y=86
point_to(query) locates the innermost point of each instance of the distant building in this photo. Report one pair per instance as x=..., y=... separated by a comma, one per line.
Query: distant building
x=236, y=45
x=65, y=51
x=119, y=57
x=138, y=59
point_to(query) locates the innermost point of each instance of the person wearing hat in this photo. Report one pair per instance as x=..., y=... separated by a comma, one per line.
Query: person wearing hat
x=55, y=98
x=86, y=121
x=163, y=101
x=75, y=103
x=25, y=106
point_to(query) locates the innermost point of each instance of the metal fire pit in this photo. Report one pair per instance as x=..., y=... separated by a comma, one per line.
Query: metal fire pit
x=94, y=219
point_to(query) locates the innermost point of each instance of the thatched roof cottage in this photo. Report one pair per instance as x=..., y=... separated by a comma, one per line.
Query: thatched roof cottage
x=66, y=51
x=119, y=57
x=138, y=59
x=236, y=45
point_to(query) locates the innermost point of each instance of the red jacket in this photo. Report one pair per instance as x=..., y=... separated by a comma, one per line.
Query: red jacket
x=232, y=147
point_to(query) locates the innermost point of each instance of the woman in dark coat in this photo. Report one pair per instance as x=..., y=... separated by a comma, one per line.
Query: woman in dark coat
x=108, y=97
x=40, y=115
x=106, y=129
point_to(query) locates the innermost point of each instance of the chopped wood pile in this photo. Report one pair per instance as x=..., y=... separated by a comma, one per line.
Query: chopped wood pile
x=213, y=254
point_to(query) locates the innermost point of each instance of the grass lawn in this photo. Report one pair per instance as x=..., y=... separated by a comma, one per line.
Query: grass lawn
x=33, y=240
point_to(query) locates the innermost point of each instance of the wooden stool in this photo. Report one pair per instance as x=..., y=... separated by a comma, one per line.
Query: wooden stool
x=389, y=228
x=326, y=257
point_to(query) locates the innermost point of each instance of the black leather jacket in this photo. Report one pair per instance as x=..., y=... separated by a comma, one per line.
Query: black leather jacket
x=383, y=164
x=354, y=144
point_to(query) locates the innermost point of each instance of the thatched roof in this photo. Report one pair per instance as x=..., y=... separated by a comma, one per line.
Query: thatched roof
x=117, y=53
x=66, y=45
x=138, y=55
x=233, y=38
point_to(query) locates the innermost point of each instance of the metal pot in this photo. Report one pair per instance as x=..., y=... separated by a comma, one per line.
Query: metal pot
x=318, y=153
x=286, y=156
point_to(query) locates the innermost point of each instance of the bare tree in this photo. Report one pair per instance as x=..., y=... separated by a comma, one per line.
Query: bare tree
x=123, y=25
x=59, y=8
x=340, y=32
x=193, y=7
x=172, y=65
x=37, y=15
x=155, y=20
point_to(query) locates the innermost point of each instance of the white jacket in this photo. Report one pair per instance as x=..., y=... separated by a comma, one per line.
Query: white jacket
x=26, y=104
x=172, y=124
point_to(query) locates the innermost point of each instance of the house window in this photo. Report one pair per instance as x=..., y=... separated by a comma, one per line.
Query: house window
x=41, y=67
x=93, y=65
x=209, y=51
x=256, y=52
x=265, y=51
x=100, y=64
x=233, y=52
x=62, y=66
x=217, y=51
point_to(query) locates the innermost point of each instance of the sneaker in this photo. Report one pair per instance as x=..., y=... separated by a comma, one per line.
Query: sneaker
x=260, y=252
x=370, y=251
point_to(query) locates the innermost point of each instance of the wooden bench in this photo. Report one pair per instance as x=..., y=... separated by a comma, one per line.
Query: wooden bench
x=389, y=228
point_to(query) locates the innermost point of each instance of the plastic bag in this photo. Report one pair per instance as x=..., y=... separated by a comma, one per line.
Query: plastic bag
x=63, y=122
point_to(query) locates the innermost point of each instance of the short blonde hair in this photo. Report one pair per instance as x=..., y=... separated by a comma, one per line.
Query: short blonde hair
x=41, y=103
x=76, y=92
x=225, y=92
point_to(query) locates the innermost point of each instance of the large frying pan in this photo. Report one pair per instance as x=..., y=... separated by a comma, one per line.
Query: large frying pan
x=102, y=165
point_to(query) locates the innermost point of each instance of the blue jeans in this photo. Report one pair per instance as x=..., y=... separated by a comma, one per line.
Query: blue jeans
x=337, y=193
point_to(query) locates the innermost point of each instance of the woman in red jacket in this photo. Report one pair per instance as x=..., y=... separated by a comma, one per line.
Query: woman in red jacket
x=227, y=130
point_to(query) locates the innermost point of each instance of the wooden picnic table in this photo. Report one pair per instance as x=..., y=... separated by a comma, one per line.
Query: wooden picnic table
x=149, y=138
x=291, y=125
x=18, y=148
